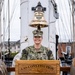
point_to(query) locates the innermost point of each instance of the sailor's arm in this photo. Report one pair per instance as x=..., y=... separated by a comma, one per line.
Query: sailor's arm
x=50, y=55
x=24, y=54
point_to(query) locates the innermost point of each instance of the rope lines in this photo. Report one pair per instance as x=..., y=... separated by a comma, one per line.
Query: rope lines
x=65, y=20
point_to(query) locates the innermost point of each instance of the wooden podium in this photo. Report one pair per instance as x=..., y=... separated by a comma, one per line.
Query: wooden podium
x=37, y=67
x=72, y=70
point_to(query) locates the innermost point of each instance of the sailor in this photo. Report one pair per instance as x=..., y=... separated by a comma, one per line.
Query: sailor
x=37, y=51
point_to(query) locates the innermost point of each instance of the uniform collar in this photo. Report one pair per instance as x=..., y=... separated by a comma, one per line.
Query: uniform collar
x=38, y=50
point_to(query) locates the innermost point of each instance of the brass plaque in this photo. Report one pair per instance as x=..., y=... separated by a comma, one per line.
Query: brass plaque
x=37, y=67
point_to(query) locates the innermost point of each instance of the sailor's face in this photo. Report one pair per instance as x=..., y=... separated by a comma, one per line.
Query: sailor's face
x=37, y=39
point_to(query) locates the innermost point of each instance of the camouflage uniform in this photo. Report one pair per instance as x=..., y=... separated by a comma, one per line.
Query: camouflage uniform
x=30, y=53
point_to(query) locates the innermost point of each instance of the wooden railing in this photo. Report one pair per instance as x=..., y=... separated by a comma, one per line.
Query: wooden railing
x=64, y=69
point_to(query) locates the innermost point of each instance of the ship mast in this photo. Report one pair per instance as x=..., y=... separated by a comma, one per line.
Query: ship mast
x=73, y=17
